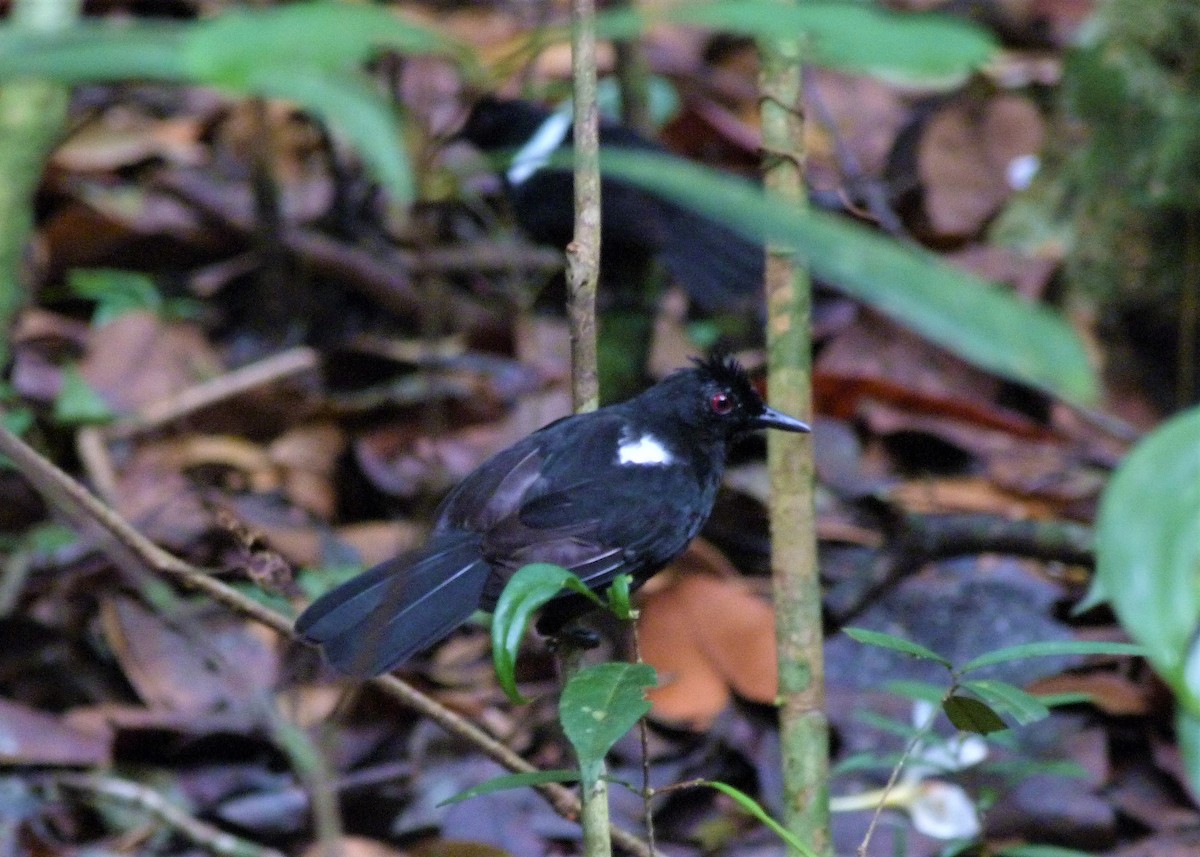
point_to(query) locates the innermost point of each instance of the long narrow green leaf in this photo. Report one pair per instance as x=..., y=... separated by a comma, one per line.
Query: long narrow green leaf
x=1051, y=648
x=89, y=52
x=514, y=781
x=980, y=322
x=896, y=644
x=851, y=36
x=1038, y=850
x=316, y=35
x=753, y=807
x=348, y=102
x=1023, y=707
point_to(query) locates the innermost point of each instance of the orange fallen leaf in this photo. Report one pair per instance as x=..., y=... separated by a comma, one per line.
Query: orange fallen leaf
x=708, y=637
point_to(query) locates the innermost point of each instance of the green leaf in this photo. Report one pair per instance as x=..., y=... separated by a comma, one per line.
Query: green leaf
x=971, y=715
x=1070, y=697
x=618, y=597
x=17, y=420
x=600, y=704
x=896, y=644
x=46, y=538
x=920, y=690
x=316, y=581
x=864, y=761
x=1148, y=547
x=753, y=807
x=1035, y=850
x=875, y=720
x=311, y=37
x=1050, y=648
x=77, y=403
x=1017, y=769
x=306, y=52
x=850, y=36
x=115, y=292
x=527, y=590
x=514, y=781
x=347, y=101
x=1187, y=734
x=1023, y=707
x=90, y=51
x=981, y=322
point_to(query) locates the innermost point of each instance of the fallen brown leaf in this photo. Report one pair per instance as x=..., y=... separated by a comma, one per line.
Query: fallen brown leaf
x=707, y=637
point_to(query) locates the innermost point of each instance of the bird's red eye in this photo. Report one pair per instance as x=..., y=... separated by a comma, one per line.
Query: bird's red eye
x=722, y=403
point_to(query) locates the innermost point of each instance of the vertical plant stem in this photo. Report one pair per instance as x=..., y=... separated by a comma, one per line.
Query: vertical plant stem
x=583, y=274
x=32, y=113
x=583, y=253
x=803, y=726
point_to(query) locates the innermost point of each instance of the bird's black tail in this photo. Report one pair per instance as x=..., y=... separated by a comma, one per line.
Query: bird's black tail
x=381, y=618
x=719, y=268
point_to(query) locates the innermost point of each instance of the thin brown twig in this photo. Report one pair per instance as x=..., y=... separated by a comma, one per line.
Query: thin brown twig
x=81, y=505
x=895, y=775
x=158, y=413
x=151, y=801
x=644, y=739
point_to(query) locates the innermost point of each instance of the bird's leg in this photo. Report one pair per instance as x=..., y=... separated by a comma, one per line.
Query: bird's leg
x=560, y=622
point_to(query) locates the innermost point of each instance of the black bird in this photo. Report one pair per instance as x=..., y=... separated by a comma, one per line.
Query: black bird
x=620, y=490
x=720, y=269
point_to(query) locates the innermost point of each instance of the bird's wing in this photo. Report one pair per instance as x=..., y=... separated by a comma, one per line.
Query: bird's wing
x=587, y=514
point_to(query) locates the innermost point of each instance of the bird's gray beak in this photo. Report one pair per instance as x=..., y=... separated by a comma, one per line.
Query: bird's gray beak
x=771, y=418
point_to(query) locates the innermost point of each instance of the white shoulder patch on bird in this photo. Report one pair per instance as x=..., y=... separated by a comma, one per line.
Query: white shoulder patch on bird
x=533, y=155
x=645, y=449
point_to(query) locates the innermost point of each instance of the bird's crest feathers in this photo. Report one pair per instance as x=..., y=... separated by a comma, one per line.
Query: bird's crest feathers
x=729, y=373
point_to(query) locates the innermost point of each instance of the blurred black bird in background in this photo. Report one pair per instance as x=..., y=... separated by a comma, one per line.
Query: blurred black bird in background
x=720, y=269
x=621, y=490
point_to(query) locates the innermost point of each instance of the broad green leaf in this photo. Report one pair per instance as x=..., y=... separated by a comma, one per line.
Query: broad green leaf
x=896, y=644
x=115, y=292
x=514, y=781
x=1148, y=547
x=1023, y=707
x=79, y=404
x=851, y=36
x=971, y=715
x=1050, y=648
x=753, y=807
x=979, y=321
x=600, y=704
x=527, y=590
